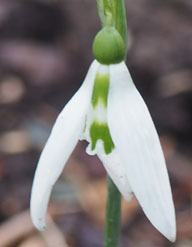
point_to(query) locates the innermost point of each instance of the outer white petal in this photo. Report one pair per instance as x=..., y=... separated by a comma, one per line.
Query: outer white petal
x=63, y=138
x=136, y=140
x=115, y=170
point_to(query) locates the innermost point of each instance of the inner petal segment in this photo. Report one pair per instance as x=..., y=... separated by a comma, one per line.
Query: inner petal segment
x=96, y=124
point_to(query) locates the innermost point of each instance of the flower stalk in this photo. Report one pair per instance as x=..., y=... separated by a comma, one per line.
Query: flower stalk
x=113, y=216
x=119, y=13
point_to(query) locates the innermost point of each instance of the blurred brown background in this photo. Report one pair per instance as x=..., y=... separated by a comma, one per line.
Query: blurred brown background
x=45, y=52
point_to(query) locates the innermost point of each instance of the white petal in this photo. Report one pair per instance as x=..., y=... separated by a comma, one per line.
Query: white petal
x=63, y=139
x=115, y=170
x=136, y=140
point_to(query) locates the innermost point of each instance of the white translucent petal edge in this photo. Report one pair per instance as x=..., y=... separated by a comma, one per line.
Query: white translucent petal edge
x=136, y=140
x=115, y=170
x=62, y=141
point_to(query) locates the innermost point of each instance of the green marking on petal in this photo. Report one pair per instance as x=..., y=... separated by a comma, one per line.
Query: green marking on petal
x=100, y=90
x=100, y=131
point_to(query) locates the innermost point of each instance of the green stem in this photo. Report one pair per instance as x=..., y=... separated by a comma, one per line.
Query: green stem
x=113, y=216
x=119, y=15
x=106, y=4
x=101, y=12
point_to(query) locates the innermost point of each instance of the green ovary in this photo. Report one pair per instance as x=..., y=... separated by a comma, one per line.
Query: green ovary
x=108, y=46
x=100, y=131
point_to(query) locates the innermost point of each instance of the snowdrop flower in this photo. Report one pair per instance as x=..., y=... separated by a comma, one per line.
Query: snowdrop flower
x=111, y=115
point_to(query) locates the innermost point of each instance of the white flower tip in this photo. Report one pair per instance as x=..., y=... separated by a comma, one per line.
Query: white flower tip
x=41, y=191
x=37, y=215
x=167, y=227
x=172, y=238
x=39, y=223
x=171, y=234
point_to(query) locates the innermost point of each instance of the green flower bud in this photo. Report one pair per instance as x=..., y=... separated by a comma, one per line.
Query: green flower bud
x=108, y=46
